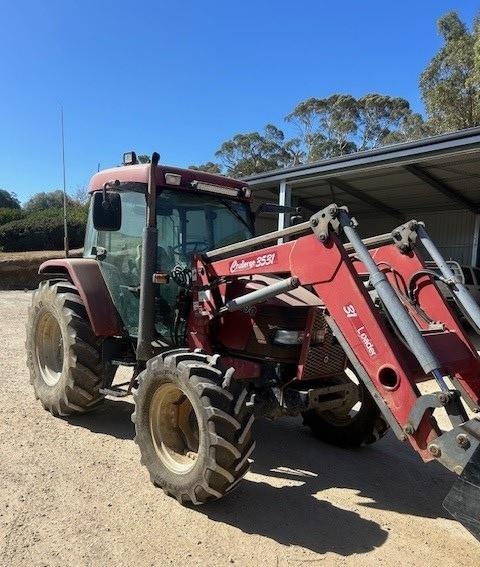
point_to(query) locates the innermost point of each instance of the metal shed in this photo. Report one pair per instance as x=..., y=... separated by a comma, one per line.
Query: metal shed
x=436, y=180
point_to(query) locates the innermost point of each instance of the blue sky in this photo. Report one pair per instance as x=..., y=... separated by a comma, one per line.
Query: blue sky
x=182, y=77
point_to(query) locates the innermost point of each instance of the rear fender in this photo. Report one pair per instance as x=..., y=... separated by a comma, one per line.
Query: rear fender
x=85, y=274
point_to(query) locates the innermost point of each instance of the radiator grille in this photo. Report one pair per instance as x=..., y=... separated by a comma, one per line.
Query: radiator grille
x=325, y=356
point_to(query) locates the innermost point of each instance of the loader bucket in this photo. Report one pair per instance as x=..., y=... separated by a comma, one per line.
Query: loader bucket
x=463, y=500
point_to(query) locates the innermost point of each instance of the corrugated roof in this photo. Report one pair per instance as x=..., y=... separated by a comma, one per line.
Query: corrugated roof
x=441, y=172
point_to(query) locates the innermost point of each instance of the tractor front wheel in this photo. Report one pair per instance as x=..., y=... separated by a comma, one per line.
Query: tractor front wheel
x=192, y=426
x=63, y=354
x=347, y=425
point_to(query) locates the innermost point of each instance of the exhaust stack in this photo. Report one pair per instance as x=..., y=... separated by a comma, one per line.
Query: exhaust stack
x=146, y=321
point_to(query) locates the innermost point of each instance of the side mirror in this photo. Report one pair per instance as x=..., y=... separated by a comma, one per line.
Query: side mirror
x=274, y=208
x=107, y=211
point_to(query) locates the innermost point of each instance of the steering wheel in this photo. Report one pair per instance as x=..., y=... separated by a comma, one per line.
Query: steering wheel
x=190, y=247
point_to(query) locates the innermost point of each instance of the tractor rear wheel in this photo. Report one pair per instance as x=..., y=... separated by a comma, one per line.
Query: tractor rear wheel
x=63, y=354
x=349, y=426
x=192, y=426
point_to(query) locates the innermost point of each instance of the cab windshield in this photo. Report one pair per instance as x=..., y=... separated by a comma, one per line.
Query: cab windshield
x=190, y=223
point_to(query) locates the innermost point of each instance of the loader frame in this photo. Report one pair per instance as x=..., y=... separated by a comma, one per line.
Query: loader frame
x=390, y=354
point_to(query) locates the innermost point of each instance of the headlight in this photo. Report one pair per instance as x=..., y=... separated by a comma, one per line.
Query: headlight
x=172, y=178
x=284, y=337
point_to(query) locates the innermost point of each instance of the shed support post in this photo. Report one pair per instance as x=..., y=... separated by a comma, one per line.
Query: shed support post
x=285, y=200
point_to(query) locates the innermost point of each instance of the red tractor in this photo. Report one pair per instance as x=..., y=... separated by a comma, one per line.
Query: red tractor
x=222, y=327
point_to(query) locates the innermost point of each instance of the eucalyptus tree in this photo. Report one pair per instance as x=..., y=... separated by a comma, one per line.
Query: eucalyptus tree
x=450, y=84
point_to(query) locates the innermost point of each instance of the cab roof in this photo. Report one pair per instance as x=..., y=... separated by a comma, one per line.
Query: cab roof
x=139, y=174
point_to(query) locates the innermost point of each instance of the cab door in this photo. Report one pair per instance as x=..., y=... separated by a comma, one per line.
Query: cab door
x=119, y=255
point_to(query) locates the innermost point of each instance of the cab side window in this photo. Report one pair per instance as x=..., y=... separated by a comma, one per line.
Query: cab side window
x=133, y=220
x=121, y=262
x=91, y=236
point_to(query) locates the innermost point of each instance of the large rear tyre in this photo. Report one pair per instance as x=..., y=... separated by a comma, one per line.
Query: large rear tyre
x=193, y=428
x=349, y=426
x=63, y=354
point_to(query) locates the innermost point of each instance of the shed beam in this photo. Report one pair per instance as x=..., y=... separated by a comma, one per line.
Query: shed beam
x=441, y=187
x=309, y=206
x=300, y=200
x=361, y=196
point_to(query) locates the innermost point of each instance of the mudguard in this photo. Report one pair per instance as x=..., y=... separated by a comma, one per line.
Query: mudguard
x=85, y=274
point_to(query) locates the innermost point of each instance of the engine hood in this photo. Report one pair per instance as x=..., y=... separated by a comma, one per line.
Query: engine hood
x=299, y=297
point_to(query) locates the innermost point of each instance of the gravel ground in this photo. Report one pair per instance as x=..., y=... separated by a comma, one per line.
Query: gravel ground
x=72, y=492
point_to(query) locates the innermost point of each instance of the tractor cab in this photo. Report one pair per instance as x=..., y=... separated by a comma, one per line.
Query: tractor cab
x=195, y=212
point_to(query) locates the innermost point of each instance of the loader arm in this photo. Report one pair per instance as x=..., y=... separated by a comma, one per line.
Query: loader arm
x=396, y=328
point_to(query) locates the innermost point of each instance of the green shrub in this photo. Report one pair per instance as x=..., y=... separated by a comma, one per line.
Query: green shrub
x=43, y=230
x=9, y=215
x=47, y=200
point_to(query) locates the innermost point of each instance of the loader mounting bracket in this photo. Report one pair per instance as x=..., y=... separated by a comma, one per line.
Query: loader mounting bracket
x=405, y=236
x=278, y=402
x=327, y=219
x=449, y=400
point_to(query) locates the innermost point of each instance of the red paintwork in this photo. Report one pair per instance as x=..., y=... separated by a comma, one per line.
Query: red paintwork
x=86, y=275
x=234, y=329
x=334, y=276
x=244, y=369
x=453, y=347
x=139, y=174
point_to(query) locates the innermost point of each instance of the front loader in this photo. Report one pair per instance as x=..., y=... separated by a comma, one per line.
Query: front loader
x=222, y=327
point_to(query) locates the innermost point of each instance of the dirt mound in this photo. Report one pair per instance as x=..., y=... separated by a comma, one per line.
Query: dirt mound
x=19, y=270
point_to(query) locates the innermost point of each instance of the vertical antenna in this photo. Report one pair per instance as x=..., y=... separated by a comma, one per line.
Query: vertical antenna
x=65, y=226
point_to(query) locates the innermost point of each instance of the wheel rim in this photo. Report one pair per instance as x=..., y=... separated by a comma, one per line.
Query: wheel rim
x=49, y=348
x=348, y=412
x=174, y=428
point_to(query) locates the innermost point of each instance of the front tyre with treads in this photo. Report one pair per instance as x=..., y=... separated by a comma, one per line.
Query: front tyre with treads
x=63, y=354
x=193, y=427
x=348, y=426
